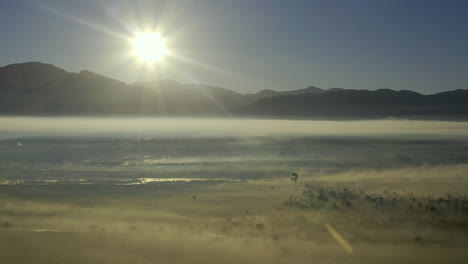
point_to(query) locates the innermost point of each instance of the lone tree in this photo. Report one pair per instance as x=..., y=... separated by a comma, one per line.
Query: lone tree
x=294, y=177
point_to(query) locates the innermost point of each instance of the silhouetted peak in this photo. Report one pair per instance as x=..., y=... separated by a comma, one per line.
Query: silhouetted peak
x=458, y=91
x=33, y=68
x=307, y=90
x=266, y=92
x=400, y=92
x=29, y=74
x=313, y=88
x=88, y=73
x=409, y=92
x=32, y=64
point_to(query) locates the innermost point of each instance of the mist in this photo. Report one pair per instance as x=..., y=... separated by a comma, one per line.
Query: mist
x=220, y=127
x=195, y=190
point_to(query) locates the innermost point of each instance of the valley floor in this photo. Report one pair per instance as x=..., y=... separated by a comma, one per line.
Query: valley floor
x=243, y=222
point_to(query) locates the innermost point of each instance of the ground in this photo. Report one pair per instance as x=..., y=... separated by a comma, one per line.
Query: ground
x=243, y=222
x=115, y=198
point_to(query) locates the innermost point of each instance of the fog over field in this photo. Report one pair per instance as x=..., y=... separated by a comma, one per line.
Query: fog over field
x=204, y=190
x=221, y=127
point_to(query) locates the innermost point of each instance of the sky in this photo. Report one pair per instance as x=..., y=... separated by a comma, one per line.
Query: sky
x=250, y=45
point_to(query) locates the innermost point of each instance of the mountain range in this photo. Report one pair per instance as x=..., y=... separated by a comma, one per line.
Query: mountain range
x=36, y=88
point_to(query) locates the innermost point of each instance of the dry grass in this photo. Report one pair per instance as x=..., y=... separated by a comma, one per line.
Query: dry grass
x=242, y=222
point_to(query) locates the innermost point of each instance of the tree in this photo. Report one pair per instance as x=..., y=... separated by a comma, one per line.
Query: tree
x=294, y=177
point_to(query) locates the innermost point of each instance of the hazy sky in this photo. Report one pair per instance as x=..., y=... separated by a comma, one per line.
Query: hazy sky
x=253, y=44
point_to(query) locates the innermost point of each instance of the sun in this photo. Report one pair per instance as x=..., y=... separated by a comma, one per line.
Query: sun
x=149, y=47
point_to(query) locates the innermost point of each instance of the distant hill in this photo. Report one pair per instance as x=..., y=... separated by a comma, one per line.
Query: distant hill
x=43, y=89
x=36, y=88
x=364, y=104
x=308, y=90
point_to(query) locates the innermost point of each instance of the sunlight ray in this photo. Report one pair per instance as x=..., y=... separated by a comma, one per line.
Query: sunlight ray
x=185, y=59
x=82, y=22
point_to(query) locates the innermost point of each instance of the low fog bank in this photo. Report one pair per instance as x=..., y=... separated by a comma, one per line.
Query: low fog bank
x=423, y=180
x=251, y=222
x=11, y=127
x=185, y=190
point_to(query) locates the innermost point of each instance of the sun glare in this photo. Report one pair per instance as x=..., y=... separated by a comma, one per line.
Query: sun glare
x=149, y=47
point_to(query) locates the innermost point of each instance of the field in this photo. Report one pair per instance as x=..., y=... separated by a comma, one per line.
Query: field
x=231, y=197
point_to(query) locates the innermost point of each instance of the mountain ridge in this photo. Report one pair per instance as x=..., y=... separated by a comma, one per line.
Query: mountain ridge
x=36, y=88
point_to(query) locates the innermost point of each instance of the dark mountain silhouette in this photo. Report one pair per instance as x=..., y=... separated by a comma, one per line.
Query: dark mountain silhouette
x=360, y=104
x=308, y=90
x=42, y=89
x=198, y=96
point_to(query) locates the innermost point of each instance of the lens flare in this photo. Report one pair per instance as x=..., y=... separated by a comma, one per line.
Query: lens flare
x=149, y=47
